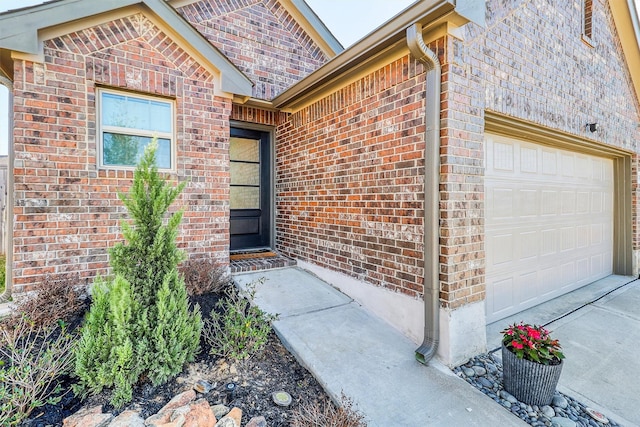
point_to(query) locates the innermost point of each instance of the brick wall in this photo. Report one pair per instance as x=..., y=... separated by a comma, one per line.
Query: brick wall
x=349, y=179
x=245, y=30
x=349, y=189
x=66, y=211
x=529, y=62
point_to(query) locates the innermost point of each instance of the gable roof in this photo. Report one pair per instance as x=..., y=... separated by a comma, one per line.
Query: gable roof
x=19, y=32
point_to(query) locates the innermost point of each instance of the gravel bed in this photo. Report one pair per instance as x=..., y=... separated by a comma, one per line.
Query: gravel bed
x=485, y=373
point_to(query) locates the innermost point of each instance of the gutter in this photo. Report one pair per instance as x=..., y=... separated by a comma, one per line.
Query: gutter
x=429, y=13
x=431, y=282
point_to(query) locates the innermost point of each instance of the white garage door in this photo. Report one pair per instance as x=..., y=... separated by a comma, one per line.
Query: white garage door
x=549, y=223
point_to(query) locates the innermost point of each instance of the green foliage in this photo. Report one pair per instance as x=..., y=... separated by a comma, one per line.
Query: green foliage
x=32, y=360
x=242, y=330
x=139, y=325
x=175, y=334
x=104, y=357
x=150, y=251
x=532, y=342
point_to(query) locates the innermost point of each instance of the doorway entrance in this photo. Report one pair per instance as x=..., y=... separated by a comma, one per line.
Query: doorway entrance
x=250, y=198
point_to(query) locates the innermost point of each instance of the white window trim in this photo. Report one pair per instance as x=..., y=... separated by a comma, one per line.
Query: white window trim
x=101, y=129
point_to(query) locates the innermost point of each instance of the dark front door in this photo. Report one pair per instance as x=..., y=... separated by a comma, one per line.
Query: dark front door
x=250, y=189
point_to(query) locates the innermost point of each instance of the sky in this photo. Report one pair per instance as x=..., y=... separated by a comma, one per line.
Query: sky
x=348, y=20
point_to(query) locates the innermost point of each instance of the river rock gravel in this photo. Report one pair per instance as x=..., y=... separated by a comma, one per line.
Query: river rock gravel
x=484, y=372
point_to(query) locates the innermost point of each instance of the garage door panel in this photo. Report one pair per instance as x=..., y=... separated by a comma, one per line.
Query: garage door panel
x=548, y=223
x=529, y=244
x=582, y=202
x=550, y=202
x=568, y=274
x=503, y=249
x=529, y=160
x=503, y=297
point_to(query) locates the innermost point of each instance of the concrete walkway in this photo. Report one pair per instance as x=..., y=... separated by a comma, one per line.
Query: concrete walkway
x=599, y=329
x=349, y=350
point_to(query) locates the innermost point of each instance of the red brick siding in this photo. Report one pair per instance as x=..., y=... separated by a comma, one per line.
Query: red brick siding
x=66, y=211
x=529, y=62
x=261, y=38
x=349, y=179
x=461, y=189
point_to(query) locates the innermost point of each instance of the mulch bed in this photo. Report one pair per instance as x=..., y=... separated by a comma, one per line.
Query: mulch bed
x=256, y=379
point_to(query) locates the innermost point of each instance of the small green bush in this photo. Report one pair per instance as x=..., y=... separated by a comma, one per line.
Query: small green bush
x=139, y=325
x=242, y=330
x=104, y=357
x=32, y=360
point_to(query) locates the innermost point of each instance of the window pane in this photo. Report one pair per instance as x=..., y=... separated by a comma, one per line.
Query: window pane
x=113, y=110
x=136, y=113
x=247, y=150
x=160, y=116
x=245, y=198
x=125, y=150
x=245, y=173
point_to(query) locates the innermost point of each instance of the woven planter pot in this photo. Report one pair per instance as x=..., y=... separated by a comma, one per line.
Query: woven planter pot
x=529, y=382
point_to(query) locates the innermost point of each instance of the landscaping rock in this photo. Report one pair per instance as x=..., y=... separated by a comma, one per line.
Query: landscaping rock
x=508, y=397
x=257, y=422
x=220, y=411
x=88, y=417
x=200, y=415
x=548, y=411
x=180, y=400
x=469, y=372
x=232, y=419
x=479, y=370
x=562, y=422
x=127, y=419
x=559, y=401
x=202, y=386
x=158, y=420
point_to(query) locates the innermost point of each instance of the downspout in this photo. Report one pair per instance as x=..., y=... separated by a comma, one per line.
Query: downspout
x=421, y=52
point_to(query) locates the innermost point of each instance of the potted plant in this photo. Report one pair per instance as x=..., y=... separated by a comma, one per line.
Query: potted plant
x=531, y=363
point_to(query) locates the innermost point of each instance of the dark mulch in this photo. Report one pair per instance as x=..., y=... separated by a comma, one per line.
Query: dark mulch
x=256, y=379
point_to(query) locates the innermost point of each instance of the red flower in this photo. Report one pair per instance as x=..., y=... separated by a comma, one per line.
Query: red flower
x=534, y=334
x=536, y=340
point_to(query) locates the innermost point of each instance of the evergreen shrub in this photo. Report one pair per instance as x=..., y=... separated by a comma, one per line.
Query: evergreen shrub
x=139, y=325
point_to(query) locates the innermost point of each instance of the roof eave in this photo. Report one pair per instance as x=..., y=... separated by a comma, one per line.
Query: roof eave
x=22, y=34
x=316, y=23
x=429, y=13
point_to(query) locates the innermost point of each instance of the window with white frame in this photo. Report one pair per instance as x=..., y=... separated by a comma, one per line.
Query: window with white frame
x=128, y=122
